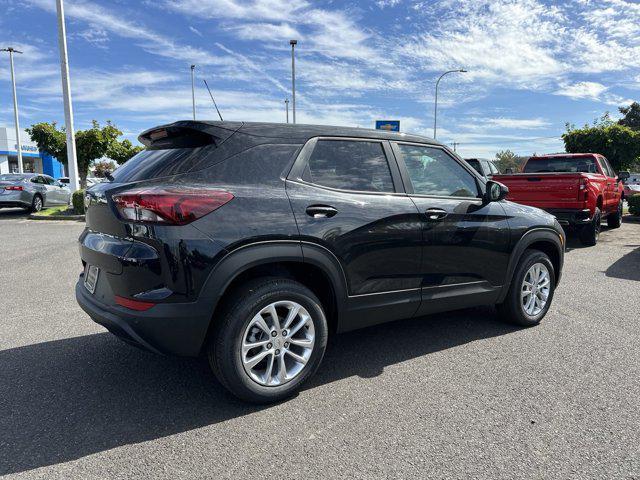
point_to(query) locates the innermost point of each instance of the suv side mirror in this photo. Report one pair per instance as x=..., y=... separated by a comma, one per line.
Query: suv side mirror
x=495, y=191
x=509, y=171
x=623, y=176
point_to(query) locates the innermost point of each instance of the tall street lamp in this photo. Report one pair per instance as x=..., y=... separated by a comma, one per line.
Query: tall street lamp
x=193, y=91
x=11, y=51
x=435, y=108
x=72, y=160
x=293, y=44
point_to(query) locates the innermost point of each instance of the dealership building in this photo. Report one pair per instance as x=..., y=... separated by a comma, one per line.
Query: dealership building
x=32, y=159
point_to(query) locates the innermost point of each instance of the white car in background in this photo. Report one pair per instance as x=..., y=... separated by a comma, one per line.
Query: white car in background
x=632, y=185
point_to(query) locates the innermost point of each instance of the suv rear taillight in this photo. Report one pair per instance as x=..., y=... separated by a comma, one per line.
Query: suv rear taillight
x=168, y=205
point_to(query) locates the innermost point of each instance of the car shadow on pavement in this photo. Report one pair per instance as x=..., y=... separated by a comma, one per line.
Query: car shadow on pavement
x=65, y=399
x=627, y=267
x=13, y=213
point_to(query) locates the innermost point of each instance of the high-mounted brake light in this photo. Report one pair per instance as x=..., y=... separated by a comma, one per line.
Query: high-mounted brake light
x=14, y=187
x=169, y=205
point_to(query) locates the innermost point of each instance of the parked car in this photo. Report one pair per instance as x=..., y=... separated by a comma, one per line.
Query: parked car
x=632, y=185
x=483, y=166
x=90, y=181
x=250, y=242
x=32, y=191
x=579, y=189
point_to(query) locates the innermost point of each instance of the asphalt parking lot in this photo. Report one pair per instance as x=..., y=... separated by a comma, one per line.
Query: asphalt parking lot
x=457, y=395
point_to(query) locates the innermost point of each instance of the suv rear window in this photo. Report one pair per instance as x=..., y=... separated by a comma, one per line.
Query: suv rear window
x=349, y=165
x=561, y=164
x=159, y=163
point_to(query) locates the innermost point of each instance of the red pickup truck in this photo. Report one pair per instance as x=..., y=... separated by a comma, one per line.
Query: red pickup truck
x=580, y=189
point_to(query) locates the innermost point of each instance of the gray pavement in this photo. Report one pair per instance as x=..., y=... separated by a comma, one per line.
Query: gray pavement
x=457, y=395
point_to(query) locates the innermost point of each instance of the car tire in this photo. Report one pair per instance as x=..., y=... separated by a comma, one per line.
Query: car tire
x=36, y=204
x=284, y=372
x=614, y=220
x=515, y=308
x=589, y=233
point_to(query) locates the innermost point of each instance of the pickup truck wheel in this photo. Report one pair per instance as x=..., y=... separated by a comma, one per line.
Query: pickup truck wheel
x=589, y=233
x=614, y=220
x=531, y=290
x=270, y=339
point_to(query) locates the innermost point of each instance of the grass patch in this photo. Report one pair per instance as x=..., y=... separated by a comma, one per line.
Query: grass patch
x=61, y=210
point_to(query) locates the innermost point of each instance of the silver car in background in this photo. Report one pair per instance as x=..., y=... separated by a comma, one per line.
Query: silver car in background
x=32, y=191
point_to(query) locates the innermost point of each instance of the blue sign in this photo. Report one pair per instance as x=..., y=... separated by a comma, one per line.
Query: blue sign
x=388, y=125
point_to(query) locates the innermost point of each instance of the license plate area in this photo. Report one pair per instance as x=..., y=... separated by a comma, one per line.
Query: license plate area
x=91, y=277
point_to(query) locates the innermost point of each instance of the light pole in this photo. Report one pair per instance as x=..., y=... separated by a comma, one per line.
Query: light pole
x=293, y=44
x=11, y=51
x=72, y=161
x=193, y=91
x=286, y=106
x=435, y=107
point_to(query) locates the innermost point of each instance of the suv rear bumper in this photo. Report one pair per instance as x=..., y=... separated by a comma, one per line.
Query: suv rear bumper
x=166, y=328
x=571, y=217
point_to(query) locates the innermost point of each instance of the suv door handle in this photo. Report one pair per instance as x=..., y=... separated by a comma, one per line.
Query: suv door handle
x=435, y=214
x=321, y=211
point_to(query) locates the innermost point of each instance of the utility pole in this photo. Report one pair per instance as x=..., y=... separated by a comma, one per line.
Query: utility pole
x=11, y=51
x=72, y=161
x=435, y=106
x=286, y=106
x=193, y=91
x=293, y=44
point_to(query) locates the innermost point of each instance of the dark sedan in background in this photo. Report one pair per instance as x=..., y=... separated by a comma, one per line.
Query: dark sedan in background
x=32, y=191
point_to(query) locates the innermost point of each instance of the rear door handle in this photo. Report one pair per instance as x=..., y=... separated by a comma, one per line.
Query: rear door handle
x=321, y=211
x=435, y=214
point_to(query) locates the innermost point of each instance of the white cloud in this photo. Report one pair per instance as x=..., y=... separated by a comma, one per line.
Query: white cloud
x=582, y=90
x=149, y=39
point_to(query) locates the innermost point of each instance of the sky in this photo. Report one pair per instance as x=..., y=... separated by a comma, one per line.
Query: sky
x=532, y=65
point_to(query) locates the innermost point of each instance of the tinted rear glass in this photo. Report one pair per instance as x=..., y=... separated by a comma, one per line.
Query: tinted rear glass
x=160, y=163
x=561, y=164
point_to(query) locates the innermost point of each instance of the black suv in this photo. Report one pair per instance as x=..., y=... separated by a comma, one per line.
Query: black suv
x=250, y=242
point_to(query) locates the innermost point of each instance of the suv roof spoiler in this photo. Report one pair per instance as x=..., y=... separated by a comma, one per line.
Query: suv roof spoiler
x=188, y=134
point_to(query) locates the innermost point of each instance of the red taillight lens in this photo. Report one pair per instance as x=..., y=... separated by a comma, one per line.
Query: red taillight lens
x=14, y=187
x=131, y=304
x=169, y=205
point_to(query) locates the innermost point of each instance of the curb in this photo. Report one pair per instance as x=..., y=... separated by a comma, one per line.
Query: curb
x=76, y=218
x=630, y=219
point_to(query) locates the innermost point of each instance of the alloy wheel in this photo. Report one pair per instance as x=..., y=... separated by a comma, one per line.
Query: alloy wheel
x=535, y=290
x=277, y=343
x=37, y=204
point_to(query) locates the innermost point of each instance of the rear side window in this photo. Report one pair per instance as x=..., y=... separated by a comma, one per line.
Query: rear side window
x=606, y=167
x=433, y=172
x=349, y=165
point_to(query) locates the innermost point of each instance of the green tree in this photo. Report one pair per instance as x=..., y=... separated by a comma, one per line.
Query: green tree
x=50, y=139
x=506, y=159
x=102, y=169
x=631, y=116
x=619, y=143
x=122, y=151
x=91, y=144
